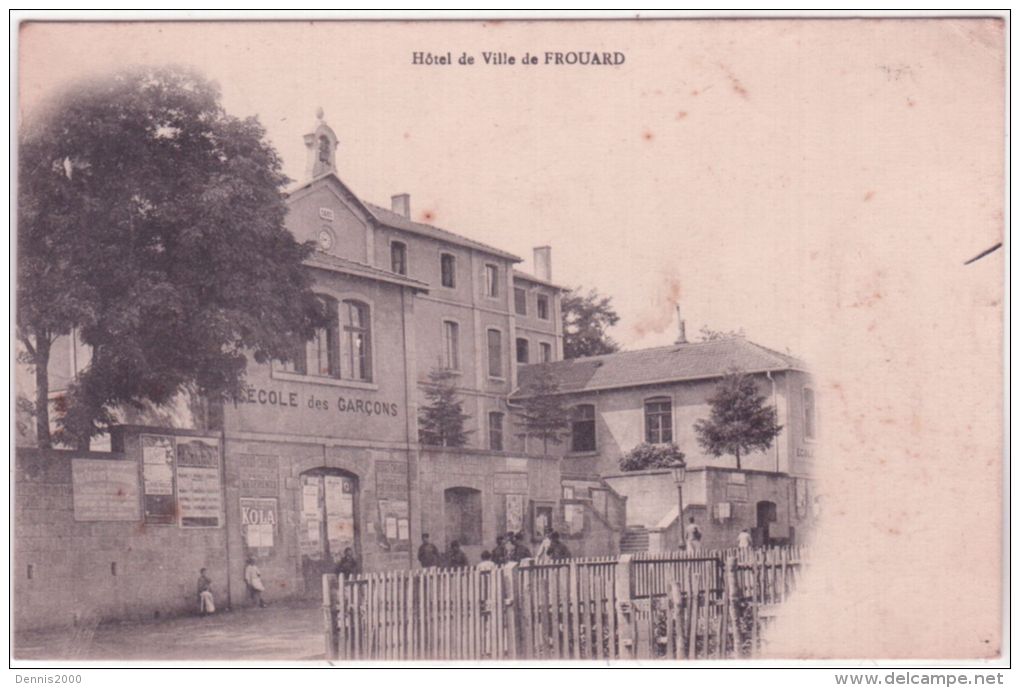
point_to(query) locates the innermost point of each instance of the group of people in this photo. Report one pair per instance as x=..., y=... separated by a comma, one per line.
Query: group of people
x=509, y=547
x=252, y=581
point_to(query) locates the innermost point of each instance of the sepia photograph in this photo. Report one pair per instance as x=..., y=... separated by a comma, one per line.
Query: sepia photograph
x=509, y=341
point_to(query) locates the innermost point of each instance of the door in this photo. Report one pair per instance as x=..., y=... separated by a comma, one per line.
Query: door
x=766, y=515
x=328, y=523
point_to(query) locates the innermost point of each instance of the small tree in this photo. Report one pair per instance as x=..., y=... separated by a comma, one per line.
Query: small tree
x=441, y=421
x=646, y=455
x=586, y=317
x=707, y=334
x=740, y=420
x=543, y=413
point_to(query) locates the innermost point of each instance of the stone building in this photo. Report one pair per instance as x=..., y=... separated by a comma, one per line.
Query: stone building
x=319, y=453
x=655, y=396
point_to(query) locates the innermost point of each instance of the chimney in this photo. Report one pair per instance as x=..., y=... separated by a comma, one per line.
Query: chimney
x=543, y=263
x=682, y=330
x=401, y=205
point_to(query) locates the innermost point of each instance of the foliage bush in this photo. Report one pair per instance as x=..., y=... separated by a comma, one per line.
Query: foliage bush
x=647, y=455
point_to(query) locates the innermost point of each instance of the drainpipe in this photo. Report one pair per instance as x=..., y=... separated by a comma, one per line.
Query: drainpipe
x=775, y=405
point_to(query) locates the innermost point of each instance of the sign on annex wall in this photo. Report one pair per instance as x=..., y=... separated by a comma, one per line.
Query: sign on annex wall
x=104, y=490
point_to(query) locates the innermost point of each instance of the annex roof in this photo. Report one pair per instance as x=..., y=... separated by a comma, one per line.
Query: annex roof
x=677, y=362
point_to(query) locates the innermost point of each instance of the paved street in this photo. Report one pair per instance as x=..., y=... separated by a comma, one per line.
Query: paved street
x=281, y=632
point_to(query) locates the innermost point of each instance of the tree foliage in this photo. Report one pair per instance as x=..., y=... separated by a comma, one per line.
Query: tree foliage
x=152, y=221
x=441, y=420
x=586, y=319
x=740, y=420
x=542, y=412
x=646, y=455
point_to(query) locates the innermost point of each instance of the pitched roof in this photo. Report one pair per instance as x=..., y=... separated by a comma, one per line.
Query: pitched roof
x=518, y=274
x=702, y=360
x=398, y=221
x=327, y=261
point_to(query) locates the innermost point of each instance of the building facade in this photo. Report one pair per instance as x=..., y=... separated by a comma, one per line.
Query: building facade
x=321, y=453
x=655, y=396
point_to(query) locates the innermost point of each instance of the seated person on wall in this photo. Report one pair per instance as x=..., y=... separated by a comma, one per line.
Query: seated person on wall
x=520, y=551
x=557, y=550
x=205, y=596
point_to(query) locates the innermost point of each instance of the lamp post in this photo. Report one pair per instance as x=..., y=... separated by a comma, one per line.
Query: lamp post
x=679, y=470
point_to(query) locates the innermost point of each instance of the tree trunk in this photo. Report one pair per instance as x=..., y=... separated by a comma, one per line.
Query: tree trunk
x=737, y=453
x=42, y=392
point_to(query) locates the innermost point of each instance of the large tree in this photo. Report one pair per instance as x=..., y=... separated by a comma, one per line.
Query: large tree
x=586, y=319
x=740, y=420
x=151, y=221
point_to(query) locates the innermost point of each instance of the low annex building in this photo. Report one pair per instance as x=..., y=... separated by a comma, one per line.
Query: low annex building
x=655, y=396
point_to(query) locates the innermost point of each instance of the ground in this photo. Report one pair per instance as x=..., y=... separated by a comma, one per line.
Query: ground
x=281, y=632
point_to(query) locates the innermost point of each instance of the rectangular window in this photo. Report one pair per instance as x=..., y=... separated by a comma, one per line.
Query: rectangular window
x=582, y=429
x=520, y=301
x=496, y=431
x=448, y=268
x=451, y=345
x=543, y=307
x=398, y=257
x=522, y=350
x=491, y=280
x=658, y=421
x=495, y=353
x=809, y=413
x=358, y=341
x=545, y=352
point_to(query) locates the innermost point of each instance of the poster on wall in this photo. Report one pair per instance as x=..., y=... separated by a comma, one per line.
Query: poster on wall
x=104, y=490
x=396, y=525
x=543, y=521
x=158, y=479
x=258, y=522
x=515, y=512
x=310, y=533
x=573, y=514
x=199, y=493
x=339, y=498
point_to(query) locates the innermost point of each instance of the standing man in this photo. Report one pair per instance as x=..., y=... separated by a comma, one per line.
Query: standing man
x=428, y=555
x=693, y=534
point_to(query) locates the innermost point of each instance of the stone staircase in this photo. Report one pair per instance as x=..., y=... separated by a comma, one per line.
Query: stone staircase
x=635, y=539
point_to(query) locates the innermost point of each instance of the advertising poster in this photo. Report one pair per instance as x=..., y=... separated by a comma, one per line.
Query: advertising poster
x=104, y=490
x=199, y=493
x=158, y=479
x=258, y=522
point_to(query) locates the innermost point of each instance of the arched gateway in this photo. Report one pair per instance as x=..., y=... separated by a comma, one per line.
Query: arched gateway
x=328, y=523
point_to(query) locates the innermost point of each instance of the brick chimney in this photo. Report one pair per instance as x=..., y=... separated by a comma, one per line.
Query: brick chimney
x=543, y=263
x=681, y=327
x=401, y=205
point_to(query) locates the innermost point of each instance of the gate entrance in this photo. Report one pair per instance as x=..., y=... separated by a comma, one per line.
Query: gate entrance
x=328, y=523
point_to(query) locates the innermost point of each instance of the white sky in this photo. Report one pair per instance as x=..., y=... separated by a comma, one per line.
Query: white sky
x=818, y=184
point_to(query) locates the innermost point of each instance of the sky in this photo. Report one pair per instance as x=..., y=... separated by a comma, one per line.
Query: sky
x=818, y=184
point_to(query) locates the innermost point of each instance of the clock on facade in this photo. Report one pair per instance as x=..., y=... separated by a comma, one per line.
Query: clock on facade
x=325, y=239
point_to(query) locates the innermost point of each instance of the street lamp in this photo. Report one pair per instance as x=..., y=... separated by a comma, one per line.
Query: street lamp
x=679, y=470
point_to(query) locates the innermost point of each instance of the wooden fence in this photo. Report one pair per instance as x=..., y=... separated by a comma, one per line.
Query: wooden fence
x=661, y=605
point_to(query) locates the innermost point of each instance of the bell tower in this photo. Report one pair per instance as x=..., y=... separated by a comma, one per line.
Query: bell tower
x=321, y=144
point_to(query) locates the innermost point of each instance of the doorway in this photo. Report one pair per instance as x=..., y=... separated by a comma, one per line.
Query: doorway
x=462, y=509
x=328, y=523
x=766, y=513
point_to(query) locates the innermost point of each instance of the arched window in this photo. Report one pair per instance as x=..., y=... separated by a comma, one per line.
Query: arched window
x=582, y=428
x=398, y=257
x=358, y=340
x=658, y=420
x=324, y=149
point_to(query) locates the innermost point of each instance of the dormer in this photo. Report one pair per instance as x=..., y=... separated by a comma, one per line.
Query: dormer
x=321, y=144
